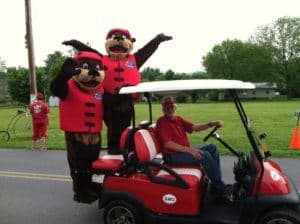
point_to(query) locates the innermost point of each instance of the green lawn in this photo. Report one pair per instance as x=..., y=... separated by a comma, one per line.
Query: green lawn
x=273, y=118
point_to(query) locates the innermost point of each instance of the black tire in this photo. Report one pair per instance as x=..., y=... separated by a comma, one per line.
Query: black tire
x=4, y=135
x=121, y=212
x=282, y=216
x=22, y=126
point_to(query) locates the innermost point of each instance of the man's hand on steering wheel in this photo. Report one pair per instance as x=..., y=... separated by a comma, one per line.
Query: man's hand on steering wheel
x=216, y=125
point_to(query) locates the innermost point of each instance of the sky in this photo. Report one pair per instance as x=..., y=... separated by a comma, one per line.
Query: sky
x=195, y=25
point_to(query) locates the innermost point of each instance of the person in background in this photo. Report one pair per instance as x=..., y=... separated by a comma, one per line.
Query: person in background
x=172, y=132
x=39, y=111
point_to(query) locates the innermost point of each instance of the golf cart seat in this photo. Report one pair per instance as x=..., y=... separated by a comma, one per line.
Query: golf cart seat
x=147, y=149
x=114, y=163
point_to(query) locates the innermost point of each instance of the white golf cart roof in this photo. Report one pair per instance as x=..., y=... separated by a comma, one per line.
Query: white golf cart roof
x=190, y=84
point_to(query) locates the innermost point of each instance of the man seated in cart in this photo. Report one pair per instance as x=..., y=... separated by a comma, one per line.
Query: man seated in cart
x=172, y=132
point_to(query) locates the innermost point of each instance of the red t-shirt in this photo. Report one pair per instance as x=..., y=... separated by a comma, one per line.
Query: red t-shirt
x=173, y=130
x=39, y=110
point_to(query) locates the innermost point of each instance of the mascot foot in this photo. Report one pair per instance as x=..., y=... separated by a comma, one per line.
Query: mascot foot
x=81, y=198
x=87, y=196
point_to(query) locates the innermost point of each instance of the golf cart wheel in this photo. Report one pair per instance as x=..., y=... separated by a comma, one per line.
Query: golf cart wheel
x=282, y=216
x=121, y=212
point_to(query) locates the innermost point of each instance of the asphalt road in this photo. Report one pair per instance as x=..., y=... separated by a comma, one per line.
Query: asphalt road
x=35, y=188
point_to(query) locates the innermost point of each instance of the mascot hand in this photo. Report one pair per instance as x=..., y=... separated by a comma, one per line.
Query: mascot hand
x=72, y=42
x=79, y=46
x=162, y=37
x=69, y=67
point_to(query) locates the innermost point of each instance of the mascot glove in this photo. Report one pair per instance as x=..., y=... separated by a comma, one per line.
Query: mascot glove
x=69, y=67
x=162, y=37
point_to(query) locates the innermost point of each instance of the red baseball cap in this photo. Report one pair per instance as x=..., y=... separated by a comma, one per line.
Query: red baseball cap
x=87, y=55
x=124, y=31
x=40, y=96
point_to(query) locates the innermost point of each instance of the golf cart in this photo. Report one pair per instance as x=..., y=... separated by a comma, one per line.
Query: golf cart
x=139, y=187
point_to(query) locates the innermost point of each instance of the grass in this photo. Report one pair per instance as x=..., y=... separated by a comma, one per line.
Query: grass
x=273, y=118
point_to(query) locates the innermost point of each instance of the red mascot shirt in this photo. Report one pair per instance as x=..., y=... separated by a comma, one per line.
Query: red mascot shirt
x=120, y=73
x=39, y=110
x=81, y=111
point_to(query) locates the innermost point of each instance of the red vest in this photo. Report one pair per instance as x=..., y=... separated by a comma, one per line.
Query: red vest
x=81, y=111
x=120, y=73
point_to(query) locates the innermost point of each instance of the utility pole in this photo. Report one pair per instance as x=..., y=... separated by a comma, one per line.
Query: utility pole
x=29, y=46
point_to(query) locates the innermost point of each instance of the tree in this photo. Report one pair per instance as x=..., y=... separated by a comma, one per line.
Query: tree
x=150, y=74
x=234, y=59
x=3, y=81
x=53, y=64
x=284, y=37
x=18, y=83
x=170, y=75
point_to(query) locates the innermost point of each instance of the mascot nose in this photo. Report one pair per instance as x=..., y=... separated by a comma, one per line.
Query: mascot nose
x=93, y=73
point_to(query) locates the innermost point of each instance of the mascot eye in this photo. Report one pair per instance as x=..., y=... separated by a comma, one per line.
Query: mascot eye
x=85, y=65
x=113, y=36
x=98, y=67
x=124, y=37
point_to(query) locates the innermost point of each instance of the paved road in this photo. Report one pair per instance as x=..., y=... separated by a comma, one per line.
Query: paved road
x=35, y=188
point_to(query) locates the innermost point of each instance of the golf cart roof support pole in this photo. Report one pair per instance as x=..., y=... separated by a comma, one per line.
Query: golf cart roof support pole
x=243, y=117
x=147, y=95
x=133, y=112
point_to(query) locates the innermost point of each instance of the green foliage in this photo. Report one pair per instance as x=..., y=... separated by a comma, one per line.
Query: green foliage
x=150, y=74
x=53, y=64
x=182, y=97
x=2, y=66
x=3, y=80
x=283, y=37
x=18, y=83
x=234, y=59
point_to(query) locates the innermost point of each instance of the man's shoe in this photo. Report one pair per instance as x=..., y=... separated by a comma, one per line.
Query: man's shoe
x=224, y=195
x=227, y=195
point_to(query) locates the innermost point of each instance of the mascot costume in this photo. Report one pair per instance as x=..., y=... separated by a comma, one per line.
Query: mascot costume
x=78, y=86
x=121, y=70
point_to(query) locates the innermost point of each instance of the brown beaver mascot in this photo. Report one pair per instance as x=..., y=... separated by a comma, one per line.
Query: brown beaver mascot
x=78, y=86
x=122, y=70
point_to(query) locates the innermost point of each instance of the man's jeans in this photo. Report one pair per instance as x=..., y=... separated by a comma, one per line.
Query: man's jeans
x=210, y=161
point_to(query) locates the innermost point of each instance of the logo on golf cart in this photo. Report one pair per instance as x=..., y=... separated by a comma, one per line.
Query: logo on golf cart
x=169, y=199
x=275, y=176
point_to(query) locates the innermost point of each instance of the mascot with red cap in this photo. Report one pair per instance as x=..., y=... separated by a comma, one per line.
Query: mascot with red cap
x=121, y=70
x=78, y=86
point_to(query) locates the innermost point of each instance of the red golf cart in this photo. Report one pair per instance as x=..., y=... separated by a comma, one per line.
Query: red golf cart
x=139, y=187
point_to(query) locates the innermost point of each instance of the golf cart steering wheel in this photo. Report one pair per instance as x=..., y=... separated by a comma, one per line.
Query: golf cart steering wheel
x=210, y=133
